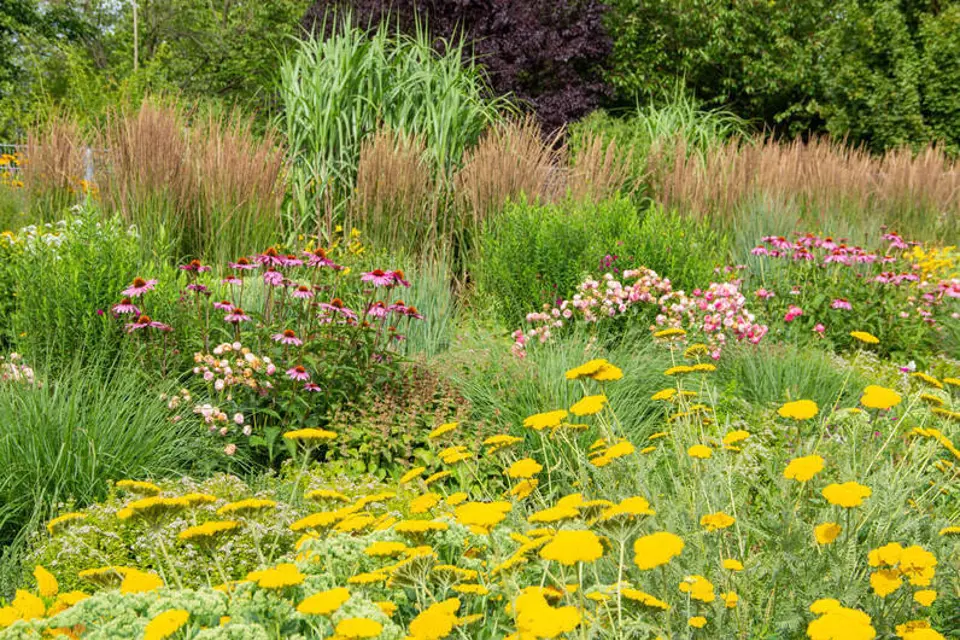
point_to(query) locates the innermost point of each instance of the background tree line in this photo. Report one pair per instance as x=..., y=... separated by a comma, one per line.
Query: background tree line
x=879, y=72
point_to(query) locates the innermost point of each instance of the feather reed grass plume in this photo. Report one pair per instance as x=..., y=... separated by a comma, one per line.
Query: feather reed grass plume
x=600, y=170
x=396, y=198
x=902, y=188
x=510, y=161
x=205, y=183
x=54, y=166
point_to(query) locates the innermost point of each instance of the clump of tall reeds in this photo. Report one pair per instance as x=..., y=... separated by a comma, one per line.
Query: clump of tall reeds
x=338, y=90
x=53, y=170
x=826, y=179
x=206, y=185
x=396, y=200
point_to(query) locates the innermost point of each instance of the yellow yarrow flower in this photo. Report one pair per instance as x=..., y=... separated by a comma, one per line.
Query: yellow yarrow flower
x=864, y=337
x=207, y=531
x=589, y=405
x=846, y=495
x=47, y=585
x=875, y=397
x=569, y=547
x=799, y=410
x=248, y=505
x=803, y=469
x=358, y=628
x=310, y=435
x=656, y=549
x=526, y=468
x=63, y=521
x=826, y=532
x=443, y=430
x=716, y=521
x=700, y=451
x=283, y=575
x=325, y=602
x=137, y=486
x=416, y=472
x=548, y=420
x=165, y=624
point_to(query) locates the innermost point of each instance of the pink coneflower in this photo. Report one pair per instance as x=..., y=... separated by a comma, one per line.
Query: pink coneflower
x=336, y=306
x=841, y=303
x=318, y=258
x=763, y=294
x=139, y=287
x=793, y=312
x=126, y=306
x=236, y=316
x=378, y=277
x=398, y=277
x=271, y=257
x=312, y=386
x=411, y=312
x=199, y=288
x=194, y=266
x=398, y=307
x=302, y=292
x=273, y=277
x=232, y=280
x=287, y=336
x=291, y=260
x=243, y=264
x=377, y=310
x=298, y=373
x=223, y=305
x=144, y=321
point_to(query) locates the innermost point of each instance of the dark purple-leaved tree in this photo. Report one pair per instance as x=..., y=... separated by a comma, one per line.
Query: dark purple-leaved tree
x=547, y=53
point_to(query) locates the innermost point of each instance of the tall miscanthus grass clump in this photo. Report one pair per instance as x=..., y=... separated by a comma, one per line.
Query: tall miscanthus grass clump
x=914, y=192
x=337, y=91
x=202, y=184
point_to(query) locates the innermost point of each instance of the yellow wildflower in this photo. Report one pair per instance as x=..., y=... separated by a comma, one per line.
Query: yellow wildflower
x=165, y=624
x=826, y=532
x=799, y=410
x=656, y=549
x=569, y=547
x=847, y=495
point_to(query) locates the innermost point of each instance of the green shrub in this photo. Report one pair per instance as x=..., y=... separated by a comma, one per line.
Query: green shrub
x=940, y=69
x=65, y=277
x=536, y=254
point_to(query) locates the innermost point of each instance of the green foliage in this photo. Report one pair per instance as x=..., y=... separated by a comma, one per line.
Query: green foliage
x=533, y=254
x=770, y=374
x=940, y=70
x=64, y=279
x=337, y=91
x=433, y=295
x=870, y=77
x=387, y=432
x=78, y=57
x=880, y=72
x=536, y=254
